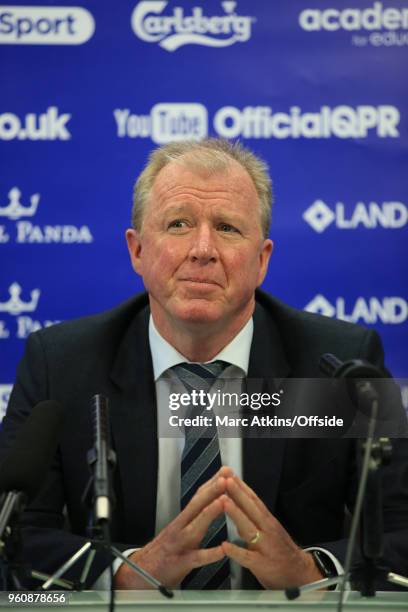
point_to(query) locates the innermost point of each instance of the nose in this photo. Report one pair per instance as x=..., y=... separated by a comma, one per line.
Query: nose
x=203, y=249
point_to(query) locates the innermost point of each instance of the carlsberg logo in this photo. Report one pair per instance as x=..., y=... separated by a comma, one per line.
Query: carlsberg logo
x=178, y=29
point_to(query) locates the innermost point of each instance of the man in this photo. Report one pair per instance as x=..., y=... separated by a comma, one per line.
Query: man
x=200, y=242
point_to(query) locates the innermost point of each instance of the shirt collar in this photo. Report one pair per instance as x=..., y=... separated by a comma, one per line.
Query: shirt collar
x=165, y=356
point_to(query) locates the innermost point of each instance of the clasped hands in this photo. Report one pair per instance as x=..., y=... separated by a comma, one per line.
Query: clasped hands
x=271, y=555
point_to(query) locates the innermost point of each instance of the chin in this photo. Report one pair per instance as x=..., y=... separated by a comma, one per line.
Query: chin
x=200, y=311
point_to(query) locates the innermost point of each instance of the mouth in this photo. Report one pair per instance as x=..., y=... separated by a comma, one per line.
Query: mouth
x=200, y=281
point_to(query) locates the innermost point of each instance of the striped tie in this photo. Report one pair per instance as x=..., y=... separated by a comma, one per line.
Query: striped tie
x=200, y=460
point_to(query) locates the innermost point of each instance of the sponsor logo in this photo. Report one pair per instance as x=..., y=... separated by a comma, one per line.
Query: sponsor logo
x=46, y=126
x=373, y=18
x=29, y=233
x=15, y=209
x=388, y=215
x=339, y=121
x=167, y=122
x=177, y=29
x=319, y=216
x=17, y=307
x=386, y=310
x=45, y=25
x=177, y=121
x=5, y=391
x=385, y=25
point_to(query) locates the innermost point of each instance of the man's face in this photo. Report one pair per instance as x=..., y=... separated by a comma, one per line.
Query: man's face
x=201, y=252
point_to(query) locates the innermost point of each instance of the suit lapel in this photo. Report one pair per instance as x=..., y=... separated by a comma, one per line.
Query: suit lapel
x=262, y=457
x=134, y=429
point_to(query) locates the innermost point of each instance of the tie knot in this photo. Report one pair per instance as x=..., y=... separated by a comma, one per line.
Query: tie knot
x=199, y=375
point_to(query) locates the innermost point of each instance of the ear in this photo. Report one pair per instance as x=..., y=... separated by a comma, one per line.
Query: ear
x=264, y=257
x=134, y=245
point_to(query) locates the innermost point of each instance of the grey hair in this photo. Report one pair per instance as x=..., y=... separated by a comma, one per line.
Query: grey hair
x=212, y=155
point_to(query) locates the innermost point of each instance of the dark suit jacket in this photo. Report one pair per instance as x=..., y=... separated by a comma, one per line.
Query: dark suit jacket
x=306, y=483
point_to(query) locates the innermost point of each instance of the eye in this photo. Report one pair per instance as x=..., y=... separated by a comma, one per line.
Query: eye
x=177, y=224
x=227, y=228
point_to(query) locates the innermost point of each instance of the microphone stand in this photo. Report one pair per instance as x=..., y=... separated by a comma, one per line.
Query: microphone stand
x=100, y=540
x=368, y=508
x=367, y=571
x=10, y=541
x=371, y=534
x=99, y=534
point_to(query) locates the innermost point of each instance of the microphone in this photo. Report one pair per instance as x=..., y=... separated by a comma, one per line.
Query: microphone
x=25, y=465
x=102, y=457
x=369, y=395
x=357, y=374
x=333, y=367
x=365, y=383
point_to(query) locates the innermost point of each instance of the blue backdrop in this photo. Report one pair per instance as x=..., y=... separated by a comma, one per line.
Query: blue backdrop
x=87, y=90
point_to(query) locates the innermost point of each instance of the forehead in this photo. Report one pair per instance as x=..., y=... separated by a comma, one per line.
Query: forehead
x=179, y=181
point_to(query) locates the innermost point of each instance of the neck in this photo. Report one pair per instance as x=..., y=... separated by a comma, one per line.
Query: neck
x=201, y=342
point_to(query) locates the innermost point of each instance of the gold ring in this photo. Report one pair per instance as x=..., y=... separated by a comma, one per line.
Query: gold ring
x=255, y=539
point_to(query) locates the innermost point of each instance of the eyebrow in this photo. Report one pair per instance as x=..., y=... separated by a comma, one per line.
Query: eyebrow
x=223, y=212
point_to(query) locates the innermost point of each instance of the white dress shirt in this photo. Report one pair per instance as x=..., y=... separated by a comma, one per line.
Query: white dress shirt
x=164, y=357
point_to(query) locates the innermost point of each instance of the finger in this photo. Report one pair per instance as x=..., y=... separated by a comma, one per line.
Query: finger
x=243, y=556
x=265, y=514
x=246, y=528
x=246, y=502
x=194, y=532
x=200, y=500
x=204, y=556
x=204, y=496
x=225, y=472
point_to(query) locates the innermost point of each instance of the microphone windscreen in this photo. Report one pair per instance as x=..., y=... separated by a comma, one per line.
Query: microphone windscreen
x=27, y=462
x=100, y=418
